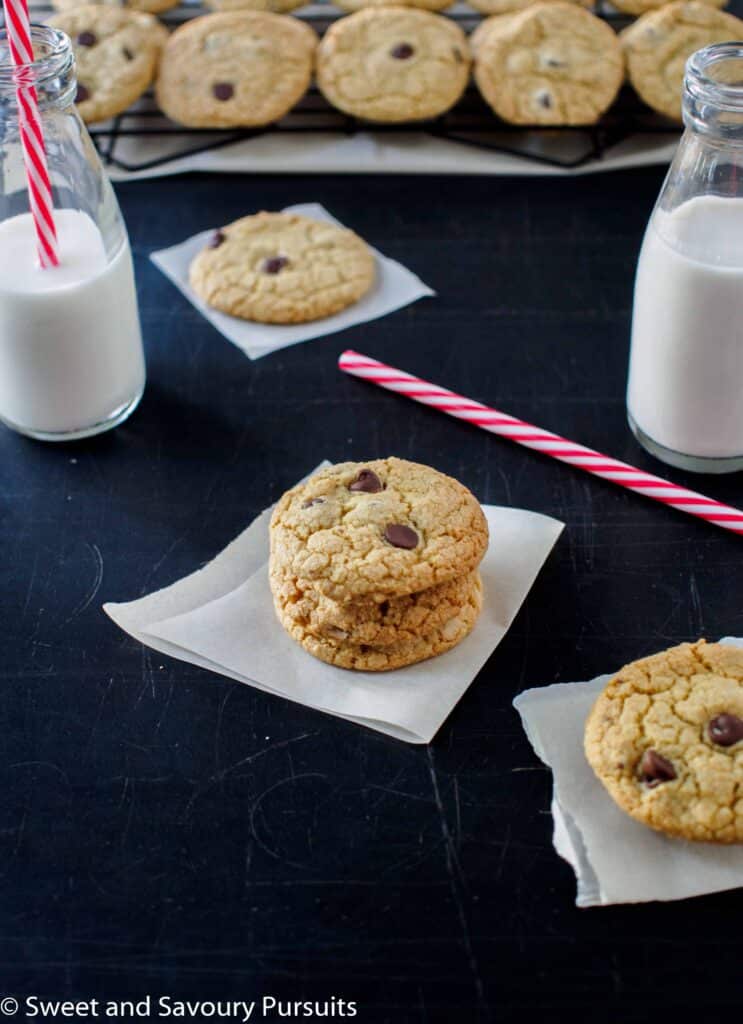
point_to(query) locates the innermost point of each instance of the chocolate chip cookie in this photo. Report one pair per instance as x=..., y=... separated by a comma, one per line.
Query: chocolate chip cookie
x=378, y=529
x=282, y=268
x=396, y=621
x=666, y=740
x=658, y=45
x=393, y=64
x=116, y=53
x=368, y=658
x=242, y=68
x=550, y=64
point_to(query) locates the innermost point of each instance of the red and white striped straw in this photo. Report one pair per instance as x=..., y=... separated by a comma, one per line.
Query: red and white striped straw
x=32, y=140
x=544, y=441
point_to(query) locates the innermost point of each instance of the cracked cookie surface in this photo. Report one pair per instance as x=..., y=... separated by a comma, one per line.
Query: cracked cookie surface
x=282, y=268
x=659, y=43
x=116, y=54
x=366, y=658
x=666, y=740
x=376, y=623
x=236, y=68
x=553, y=63
x=393, y=64
x=410, y=528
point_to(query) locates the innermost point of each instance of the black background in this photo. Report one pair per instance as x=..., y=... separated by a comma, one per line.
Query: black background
x=168, y=831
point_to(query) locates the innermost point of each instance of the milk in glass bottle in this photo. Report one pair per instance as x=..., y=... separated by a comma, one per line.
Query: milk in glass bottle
x=685, y=390
x=71, y=360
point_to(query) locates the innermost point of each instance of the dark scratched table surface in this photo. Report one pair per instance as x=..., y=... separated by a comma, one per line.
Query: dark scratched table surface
x=165, y=831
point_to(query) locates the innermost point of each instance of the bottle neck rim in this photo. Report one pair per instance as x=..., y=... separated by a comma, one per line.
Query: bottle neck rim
x=51, y=72
x=713, y=91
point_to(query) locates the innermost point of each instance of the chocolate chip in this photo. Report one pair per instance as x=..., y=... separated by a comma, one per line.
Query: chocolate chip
x=725, y=730
x=216, y=240
x=223, y=90
x=368, y=481
x=400, y=536
x=128, y=53
x=82, y=94
x=402, y=51
x=655, y=769
x=87, y=39
x=544, y=100
x=274, y=264
x=313, y=501
x=384, y=607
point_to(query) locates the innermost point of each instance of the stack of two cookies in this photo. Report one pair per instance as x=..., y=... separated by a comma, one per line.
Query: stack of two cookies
x=374, y=565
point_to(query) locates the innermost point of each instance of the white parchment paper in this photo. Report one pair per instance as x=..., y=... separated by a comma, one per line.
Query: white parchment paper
x=222, y=618
x=615, y=859
x=395, y=286
x=367, y=152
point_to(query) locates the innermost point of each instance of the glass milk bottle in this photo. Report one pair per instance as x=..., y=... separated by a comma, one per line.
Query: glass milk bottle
x=71, y=360
x=685, y=390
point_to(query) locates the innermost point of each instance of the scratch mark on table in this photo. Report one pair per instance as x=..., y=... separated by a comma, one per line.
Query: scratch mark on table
x=95, y=587
x=257, y=806
x=456, y=880
x=224, y=772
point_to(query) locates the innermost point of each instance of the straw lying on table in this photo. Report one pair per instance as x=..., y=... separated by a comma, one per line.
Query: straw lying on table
x=32, y=140
x=544, y=441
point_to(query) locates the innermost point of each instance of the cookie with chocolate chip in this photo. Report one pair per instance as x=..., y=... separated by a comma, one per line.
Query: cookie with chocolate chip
x=666, y=740
x=282, y=268
x=393, y=64
x=116, y=54
x=377, y=530
x=550, y=64
x=364, y=621
x=238, y=68
x=659, y=43
x=374, y=658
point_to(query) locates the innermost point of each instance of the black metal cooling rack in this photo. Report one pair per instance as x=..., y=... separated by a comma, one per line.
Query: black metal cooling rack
x=143, y=139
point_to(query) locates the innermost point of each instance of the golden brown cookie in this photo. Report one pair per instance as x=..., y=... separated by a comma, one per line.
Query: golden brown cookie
x=366, y=658
x=666, y=740
x=393, y=64
x=282, y=268
x=377, y=529
x=553, y=63
x=387, y=623
x=116, y=54
x=658, y=45
x=242, y=68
